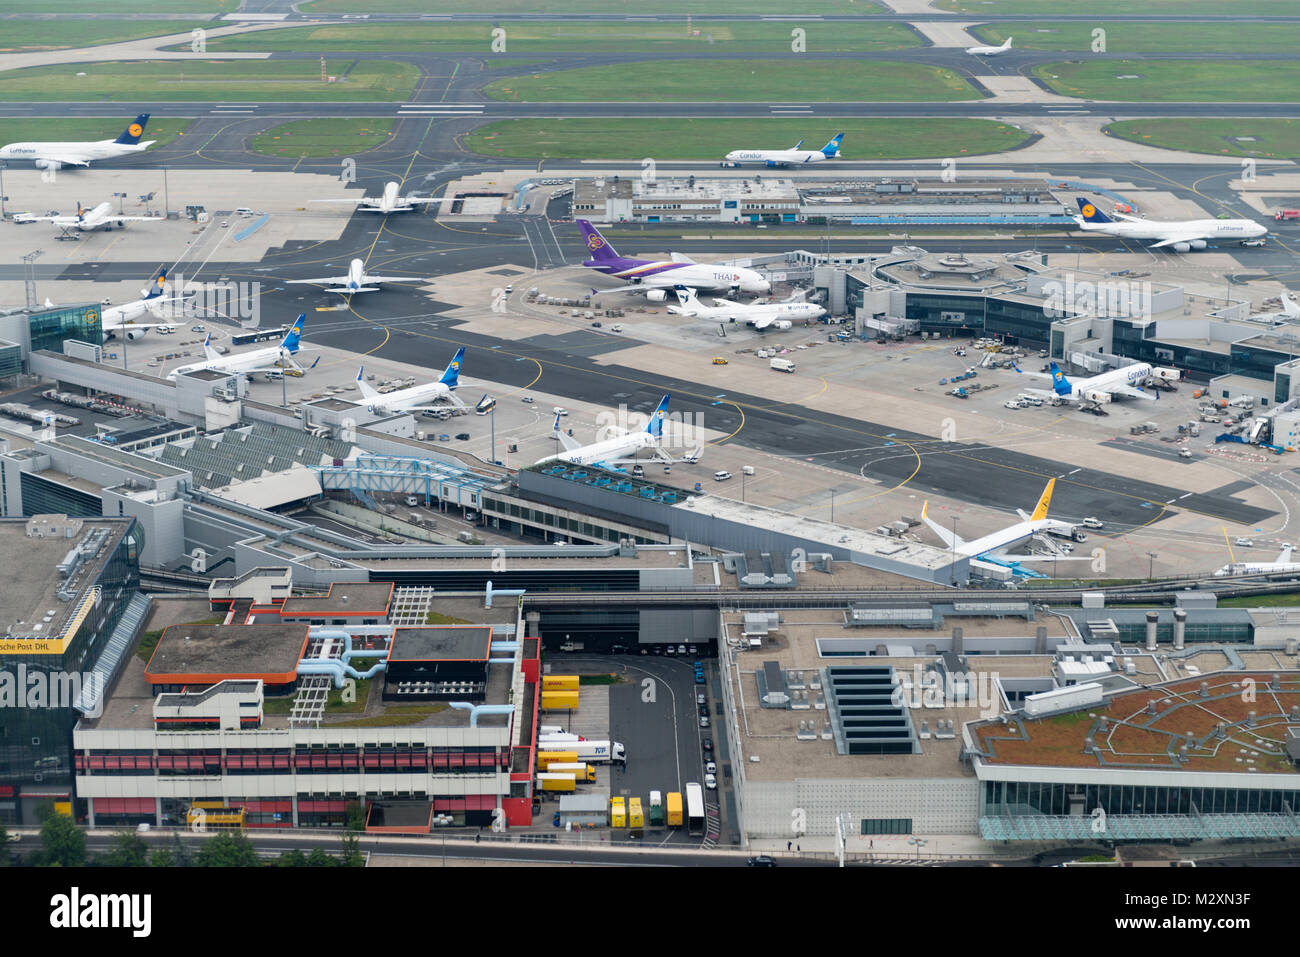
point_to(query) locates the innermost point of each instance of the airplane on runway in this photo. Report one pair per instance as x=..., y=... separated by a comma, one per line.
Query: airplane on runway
x=1104, y=387
x=1183, y=236
x=1281, y=565
x=792, y=157
x=656, y=277
x=622, y=449
x=59, y=155
x=418, y=398
x=388, y=202
x=993, y=547
x=100, y=217
x=120, y=320
x=259, y=360
x=355, y=281
x=990, y=51
x=760, y=315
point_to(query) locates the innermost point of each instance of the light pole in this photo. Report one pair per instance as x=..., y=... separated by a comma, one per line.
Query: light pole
x=493, y=413
x=743, y=473
x=919, y=842
x=832, y=505
x=1152, y=564
x=953, y=565
x=3, y=197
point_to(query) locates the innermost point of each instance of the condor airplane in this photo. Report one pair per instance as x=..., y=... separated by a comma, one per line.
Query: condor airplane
x=760, y=315
x=120, y=320
x=59, y=155
x=993, y=547
x=791, y=157
x=101, y=217
x=417, y=398
x=619, y=450
x=1183, y=236
x=258, y=360
x=355, y=281
x=389, y=201
x=990, y=51
x=656, y=277
x=1124, y=382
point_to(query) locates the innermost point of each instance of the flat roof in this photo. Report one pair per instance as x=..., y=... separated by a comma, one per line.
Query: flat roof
x=344, y=598
x=441, y=643
x=1207, y=731
x=201, y=654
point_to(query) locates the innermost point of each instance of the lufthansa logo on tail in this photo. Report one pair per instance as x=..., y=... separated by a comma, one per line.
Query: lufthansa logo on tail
x=135, y=129
x=1089, y=210
x=595, y=242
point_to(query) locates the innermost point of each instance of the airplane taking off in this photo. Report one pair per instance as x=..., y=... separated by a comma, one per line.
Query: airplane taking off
x=993, y=547
x=418, y=398
x=120, y=320
x=259, y=360
x=619, y=450
x=1183, y=236
x=355, y=281
x=1102, y=388
x=101, y=217
x=760, y=315
x=1280, y=566
x=59, y=155
x=791, y=157
x=388, y=202
x=990, y=51
x=655, y=277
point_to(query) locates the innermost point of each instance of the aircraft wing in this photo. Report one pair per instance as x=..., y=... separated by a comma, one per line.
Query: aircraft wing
x=332, y=280
x=354, y=201
x=762, y=322
x=1045, y=376
x=1285, y=555
x=130, y=219
x=950, y=538
x=66, y=160
x=29, y=218
x=369, y=278
x=1130, y=392
x=1185, y=237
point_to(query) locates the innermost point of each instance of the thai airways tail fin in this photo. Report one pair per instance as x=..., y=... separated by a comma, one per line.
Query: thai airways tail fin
x=833, y=147
x=451, y=375
x=598, y=245
x=656, y=424
x=1060, y=384
x=1090, y=213
x=950, y=538
x=134, y=130
x=367, y=391
x=294, y=335
x=1044, y=500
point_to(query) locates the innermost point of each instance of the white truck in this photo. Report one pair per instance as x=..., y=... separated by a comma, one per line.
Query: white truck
x=782, y=365
x=590, y=751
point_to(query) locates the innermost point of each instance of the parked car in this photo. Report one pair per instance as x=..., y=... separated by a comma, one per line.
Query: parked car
x=711, y=782
x=760, y=860
x=462, y=437
x=704, y=721
x=710, y=767
x=708, y=744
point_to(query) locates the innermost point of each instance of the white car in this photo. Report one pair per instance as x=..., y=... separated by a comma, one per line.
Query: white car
x=559, y=411
x=1091, y=522
x=1245, y=543
x=721, y=476
x=711, y=782
x=710, y=767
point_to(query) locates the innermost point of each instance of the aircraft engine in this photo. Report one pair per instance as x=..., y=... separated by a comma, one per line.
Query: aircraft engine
x=656, y=295
x=1094, y=396
x=1182, y=247
x=134, y=334
x=48, y=164
x=782, y=324
x=1198, y=244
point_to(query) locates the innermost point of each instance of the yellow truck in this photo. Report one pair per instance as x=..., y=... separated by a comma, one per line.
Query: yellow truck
x=559, y=682
x=617, y=812
x=674, y=808
x=556, y=782
x=635, y=817
x=546, y=758
x=582, y=773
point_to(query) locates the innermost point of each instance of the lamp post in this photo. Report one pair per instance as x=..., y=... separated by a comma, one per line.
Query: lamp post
x=1151, y=565
x=953, y=565
x=832, y=505
x=919, y=842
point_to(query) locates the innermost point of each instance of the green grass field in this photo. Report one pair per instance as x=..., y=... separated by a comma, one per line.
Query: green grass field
x=65, y=129
x=209, y=7
x=329, y=137
x=778, y=81
x=232, y=80
x=1261, y=601
x=1271, y=138
x=643, y=8
x=1146, y=37
x=1219, y=81
x=711, y=139
x=26, y=35
x=1101, y=8
x=578, y=36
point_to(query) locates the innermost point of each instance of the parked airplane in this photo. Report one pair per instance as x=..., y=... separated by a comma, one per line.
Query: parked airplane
x=790, y=157
x=1182, y=235
x=993, y=547
x=760, y=315
x=259, y=360
x=1290, y=310
x=100, y=217
x=622, y=448
x=1280, y=566
x=59, y=155
x=990, y=51
x=417, y=398
x=1102, y=388
x=655, y=277
x=120, y=320
x=357, y=280
x=389, y=201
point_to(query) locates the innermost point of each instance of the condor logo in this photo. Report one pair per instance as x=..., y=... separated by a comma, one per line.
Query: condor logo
x=135, y=129
x=1089, y=210
x=1057, y=375
x=595, y=242
x=455, y=367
